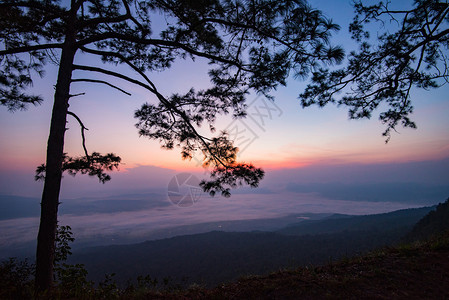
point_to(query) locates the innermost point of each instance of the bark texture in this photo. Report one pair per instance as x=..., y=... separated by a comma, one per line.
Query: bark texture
x=52, y=184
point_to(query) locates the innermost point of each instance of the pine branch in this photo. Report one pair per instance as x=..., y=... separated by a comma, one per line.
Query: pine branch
x=30, y=48
x=155, y=92
x=123, y=59
x=114, y=74
x=155, y=42
x=100, y=20
x=83, y=128
x=102, y=82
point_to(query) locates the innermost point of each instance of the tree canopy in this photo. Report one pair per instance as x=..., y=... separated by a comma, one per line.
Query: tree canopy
x=410, y=50
x=250, y=45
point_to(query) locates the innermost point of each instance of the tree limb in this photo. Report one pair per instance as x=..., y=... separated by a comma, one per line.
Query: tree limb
x=153, y=90
x=103, y=82
x=96, y=21
x=30, y=48
x=82, y=132
x=115, y=74
x=122, y=58
x=128, y=12
x=155, y=42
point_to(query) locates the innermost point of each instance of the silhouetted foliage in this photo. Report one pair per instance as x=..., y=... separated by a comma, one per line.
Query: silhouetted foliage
x=434, y=223
x=411, y=51
x=92, y=165
x=16, y=279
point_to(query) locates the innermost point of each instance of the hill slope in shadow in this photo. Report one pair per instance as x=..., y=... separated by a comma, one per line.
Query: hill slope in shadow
x=414, y=271
x=435, y=222
x=216, y=257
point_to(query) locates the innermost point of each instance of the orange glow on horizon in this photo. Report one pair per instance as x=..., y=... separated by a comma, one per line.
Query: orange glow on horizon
x=277, y=165
x=292, y=162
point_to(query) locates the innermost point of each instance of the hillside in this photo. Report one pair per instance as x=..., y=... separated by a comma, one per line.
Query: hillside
x=434, y=222
x=413, y=271
x=343, y=223
x=216, y=257
x=418, y=270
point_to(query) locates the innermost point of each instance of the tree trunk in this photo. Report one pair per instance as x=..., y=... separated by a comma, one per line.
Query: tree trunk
x=55, y=148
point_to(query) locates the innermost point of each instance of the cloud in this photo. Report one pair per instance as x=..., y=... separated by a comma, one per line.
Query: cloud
x=134, y=226
x=135, y=204
x=425, y=172
x=425, y=182
x=392, y=192
x=139, y=179
x=19, y=182
x=151, y=179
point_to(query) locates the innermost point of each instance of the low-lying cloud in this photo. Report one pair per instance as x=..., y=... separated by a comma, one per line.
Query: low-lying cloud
x=135, y=204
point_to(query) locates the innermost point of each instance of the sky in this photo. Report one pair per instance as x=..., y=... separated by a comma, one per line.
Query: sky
x=306, y=153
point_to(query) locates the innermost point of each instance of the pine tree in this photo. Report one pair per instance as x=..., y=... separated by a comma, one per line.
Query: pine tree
x=252, y=45
x=411, y=50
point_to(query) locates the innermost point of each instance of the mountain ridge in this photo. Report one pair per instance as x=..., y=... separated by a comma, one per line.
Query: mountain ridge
x=214, y=257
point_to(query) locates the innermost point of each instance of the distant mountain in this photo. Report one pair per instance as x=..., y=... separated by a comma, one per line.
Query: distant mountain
x=408, y=271
x=397, y=220
x=405, y=192
x=215, y=257
x=265, y=224
x=12, y=207
x=434, y=223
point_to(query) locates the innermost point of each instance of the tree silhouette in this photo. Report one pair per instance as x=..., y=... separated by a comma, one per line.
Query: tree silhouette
x=251, y=46
x=411, y=52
